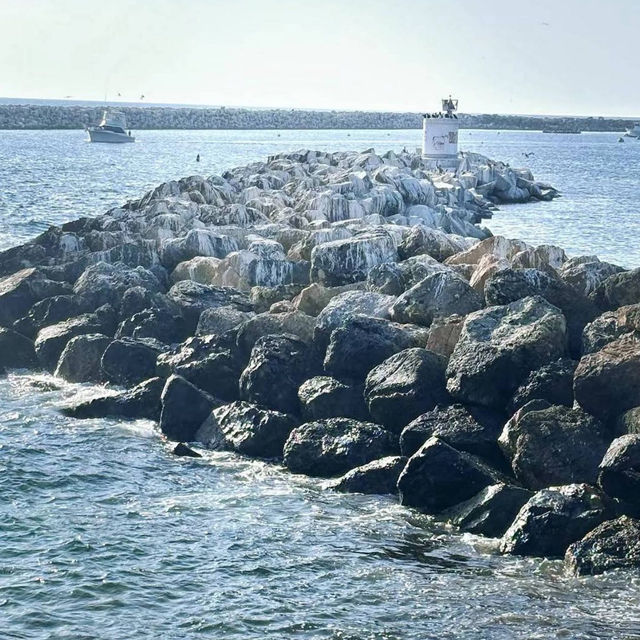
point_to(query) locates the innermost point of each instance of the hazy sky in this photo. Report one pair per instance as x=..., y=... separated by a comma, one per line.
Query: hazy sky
x=502, y=56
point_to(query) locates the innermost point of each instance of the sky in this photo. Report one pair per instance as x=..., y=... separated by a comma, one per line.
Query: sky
x=561, y=57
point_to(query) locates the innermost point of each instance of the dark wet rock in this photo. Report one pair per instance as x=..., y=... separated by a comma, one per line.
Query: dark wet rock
x=263, y=298
x=140, y=402
x=614, y=544
x=80, y=360
x=618, y=290
x=361, y=343
x=607, y=383
x=16, y=351
x=325, y=397
x=217, y=374
x=182, y=450
x=193, y=298
x=221, y=319
x=509, y=285
x=127, y=361
x=553, y=519
x=404, y=386
x=293, y=323
x=500, y=346
x=553, y=382
x=619, y=475
x=105, y=283
x=20, y=291
x=134, y=300
x=332, y=447
x=470, y=429
x=601, y=331
x=347, y=305
x=554, y=446
x=277, y=367
x=184, y=409
x=628, y=422
x=438, y=476
x=491, y=511
x=387, y=278
x=48, y=312
x=439, y=295
x=51, y=341
x=159, y=324
x=377, y=477
x=248, y=429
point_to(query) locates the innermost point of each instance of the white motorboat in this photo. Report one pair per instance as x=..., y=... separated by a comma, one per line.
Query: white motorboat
x=112, y=128
x=634, y=132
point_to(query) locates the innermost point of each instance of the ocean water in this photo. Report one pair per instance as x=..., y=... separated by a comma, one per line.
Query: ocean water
x=104, y=534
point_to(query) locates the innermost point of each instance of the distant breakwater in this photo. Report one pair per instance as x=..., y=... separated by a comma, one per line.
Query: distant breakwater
x=29, y=116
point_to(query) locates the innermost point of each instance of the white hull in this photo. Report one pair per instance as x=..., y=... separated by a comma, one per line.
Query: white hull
x=100, y=135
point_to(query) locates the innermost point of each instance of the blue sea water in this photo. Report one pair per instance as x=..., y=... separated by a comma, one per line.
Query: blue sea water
x=104, y=534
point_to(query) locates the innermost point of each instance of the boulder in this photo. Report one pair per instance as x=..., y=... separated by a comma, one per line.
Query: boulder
x=500, y=346
x=202, y=269
x=182, y=450
x=140, y=402
x=438, y=476
x=193, y=298
x=601, y=331
x=16, y=351
x=277, y=367
x=378, y=477
x=490, y=512
x=218, y=374
x=248, y=429
x=325, y=397
x=586, y=273
x=159, y=324
x=439, y=295
x=404, y=386
x=314, y=298
x=552, y=382
x=197, y=242
x=80, y=360
x=20, y=291
x=128, y=362
x=498, y=246
x=222, y=319
x=334, y=446
x=361, y=343
x=470, y=429
x=614, y=544
x=618, y=290
x=554, y=446
x=184, y=409
x=345, y=261
x=619, y=475
x=444, y=334
x=628, y=422
x=293, y=323
x=607, y=383
x=553, y=519
x=48, y=312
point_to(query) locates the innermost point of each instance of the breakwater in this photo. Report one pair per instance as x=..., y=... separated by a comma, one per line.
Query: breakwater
x=346, y=314
x=29, y=116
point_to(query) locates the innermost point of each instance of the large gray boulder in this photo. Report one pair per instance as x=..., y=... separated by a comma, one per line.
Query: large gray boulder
x=553, y=519
x=491, y=511
x=344, y=261
x=293, y=323
x=614, y=544
x=128, y=362
x=184, y=409
x=438, y=476
x=618, y=290
x=197, y=242
x=376, y=477
x=619, y=475
x=221, y=319
x=441, y=294
x=586, y=273
x=334, y=446
x=554, y=446
x=404, y=386
x=361, y=343
x=80, y=360
x=325, y=397
x=246, y=428
x=552, y=382
x=277, y=367
x=500, y=346
x=607, y=383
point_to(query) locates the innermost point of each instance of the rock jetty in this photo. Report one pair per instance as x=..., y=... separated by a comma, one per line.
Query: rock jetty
x=347, y=315
x=70, y=116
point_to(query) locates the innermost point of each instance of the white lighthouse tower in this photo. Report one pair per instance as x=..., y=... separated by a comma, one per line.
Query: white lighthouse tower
x=440, y=141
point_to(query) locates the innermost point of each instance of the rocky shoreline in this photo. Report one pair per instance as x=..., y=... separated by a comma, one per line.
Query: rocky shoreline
x=42, y=116
x=346, y=314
